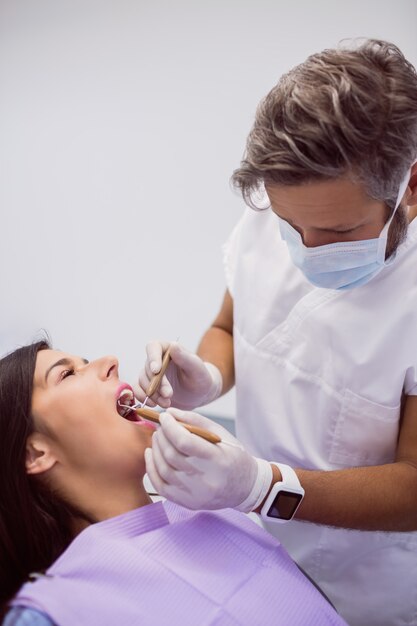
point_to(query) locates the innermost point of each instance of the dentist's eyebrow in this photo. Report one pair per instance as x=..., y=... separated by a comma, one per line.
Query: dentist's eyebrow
x=63, y=361
x=338, y=228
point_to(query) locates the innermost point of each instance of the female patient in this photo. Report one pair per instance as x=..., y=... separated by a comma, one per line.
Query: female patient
x=77, y=522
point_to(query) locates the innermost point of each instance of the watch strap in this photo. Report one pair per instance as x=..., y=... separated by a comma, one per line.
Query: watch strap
x=284, y=497
x=289, y=477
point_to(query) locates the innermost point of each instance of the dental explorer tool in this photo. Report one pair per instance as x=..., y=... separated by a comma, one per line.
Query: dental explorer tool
x=153, y=416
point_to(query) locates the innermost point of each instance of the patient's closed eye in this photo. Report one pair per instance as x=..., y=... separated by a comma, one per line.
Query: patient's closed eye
x=66, y=373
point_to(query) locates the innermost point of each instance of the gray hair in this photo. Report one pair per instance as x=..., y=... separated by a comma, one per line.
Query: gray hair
x=345, y=111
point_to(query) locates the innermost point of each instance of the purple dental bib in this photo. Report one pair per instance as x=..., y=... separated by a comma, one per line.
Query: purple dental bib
x=162, y=564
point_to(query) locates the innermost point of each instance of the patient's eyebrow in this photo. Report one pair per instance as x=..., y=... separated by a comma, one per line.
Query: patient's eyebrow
x=64, y=361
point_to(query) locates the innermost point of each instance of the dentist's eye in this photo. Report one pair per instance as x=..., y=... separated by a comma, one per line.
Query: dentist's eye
x=345, y=232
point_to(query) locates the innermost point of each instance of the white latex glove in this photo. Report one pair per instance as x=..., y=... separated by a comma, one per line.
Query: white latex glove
x=188, y=382
x=197, y=474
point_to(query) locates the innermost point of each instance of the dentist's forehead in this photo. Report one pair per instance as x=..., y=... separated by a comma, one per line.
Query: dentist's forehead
x=328, y=202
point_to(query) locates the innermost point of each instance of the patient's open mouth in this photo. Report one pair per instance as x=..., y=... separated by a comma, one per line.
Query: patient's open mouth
x=125, y=401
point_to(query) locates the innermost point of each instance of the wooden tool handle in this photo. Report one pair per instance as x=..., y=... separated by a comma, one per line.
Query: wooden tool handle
x=201, y=432
x=156, y=380
x=153, y=416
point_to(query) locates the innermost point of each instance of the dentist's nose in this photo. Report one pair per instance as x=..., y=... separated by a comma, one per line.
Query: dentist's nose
x=313, y=238
x=309, y=238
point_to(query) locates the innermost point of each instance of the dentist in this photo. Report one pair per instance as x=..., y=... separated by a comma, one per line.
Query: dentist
x=318, y=330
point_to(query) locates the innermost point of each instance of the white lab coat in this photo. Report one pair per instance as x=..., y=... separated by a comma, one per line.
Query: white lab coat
x=320, y=376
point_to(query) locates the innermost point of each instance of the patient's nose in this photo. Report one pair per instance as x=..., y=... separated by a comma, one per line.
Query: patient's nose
x=106, y=367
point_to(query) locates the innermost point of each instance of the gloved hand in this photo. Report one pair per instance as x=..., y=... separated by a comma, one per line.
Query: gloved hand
x=188, y=382
x=197, y=474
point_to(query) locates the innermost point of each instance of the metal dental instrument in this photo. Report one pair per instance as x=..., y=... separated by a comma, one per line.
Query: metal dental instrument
x=153, y=416
x=156, y=380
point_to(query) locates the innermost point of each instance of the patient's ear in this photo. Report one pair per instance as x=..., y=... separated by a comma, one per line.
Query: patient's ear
x=39, y=454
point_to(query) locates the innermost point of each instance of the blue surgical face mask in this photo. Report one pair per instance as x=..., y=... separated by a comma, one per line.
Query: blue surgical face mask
x=341, y=265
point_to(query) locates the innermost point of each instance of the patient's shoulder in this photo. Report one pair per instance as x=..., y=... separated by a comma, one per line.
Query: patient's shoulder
x=22, y=616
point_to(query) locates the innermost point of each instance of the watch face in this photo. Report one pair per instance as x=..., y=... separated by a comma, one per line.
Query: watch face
x=285, y=505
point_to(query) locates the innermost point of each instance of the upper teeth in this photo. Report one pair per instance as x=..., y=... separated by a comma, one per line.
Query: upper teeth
x=125, y=398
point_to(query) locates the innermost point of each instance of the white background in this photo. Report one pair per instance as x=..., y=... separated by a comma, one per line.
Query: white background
x=120, y=124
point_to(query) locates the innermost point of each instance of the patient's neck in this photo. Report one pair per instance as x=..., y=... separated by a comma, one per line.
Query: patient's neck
x=100, y=500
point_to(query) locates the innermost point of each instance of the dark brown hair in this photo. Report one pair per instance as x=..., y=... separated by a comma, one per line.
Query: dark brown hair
x=346, y=111
x=35, y=528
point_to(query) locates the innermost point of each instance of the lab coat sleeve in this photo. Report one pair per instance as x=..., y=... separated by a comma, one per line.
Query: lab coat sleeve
x=231, y=252
x=410, y=383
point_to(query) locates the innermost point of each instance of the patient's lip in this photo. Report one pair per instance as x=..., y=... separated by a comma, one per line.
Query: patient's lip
x=146, y=424
x=121, y=388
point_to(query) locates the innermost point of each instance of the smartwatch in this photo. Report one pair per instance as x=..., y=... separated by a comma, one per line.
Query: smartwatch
x=284, y=498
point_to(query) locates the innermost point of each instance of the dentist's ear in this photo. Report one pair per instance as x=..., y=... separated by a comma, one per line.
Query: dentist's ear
x=412, y=185
x=39, y=454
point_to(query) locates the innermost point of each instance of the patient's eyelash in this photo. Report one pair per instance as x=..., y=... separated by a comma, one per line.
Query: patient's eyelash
x=66, y=373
